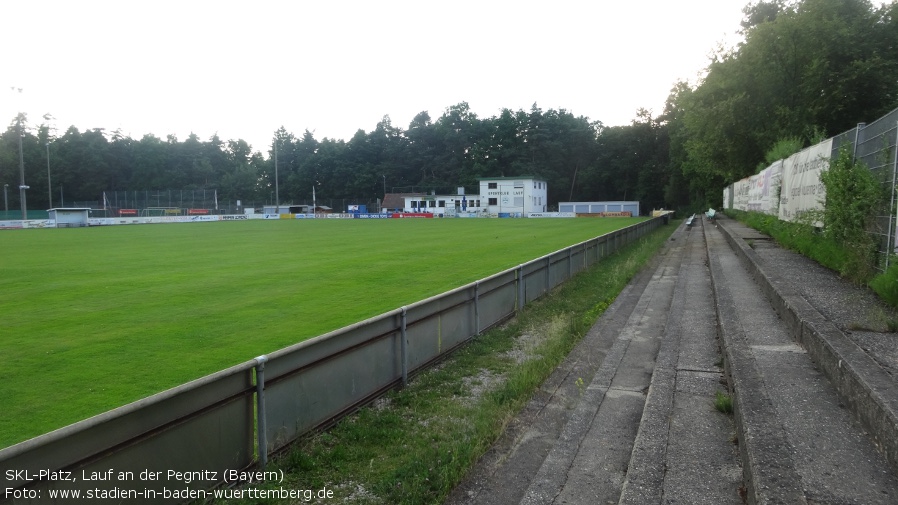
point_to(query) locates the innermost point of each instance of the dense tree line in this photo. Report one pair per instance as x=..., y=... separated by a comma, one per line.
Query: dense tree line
x=805, y=70
x=430, y=155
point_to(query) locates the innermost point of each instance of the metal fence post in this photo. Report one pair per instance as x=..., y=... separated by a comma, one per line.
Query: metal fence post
x=857, y=140
x=570, y=262
x=520, y=300
x=403, y=322
x=548, y=271
x=477, y=308
x=261, y=425
x=890, y=241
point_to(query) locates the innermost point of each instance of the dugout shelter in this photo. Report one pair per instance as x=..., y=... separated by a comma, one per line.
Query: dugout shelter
x=70, y=217
x=600, y=207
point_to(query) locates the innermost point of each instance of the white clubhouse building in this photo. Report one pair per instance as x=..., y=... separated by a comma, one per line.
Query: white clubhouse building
x=499, y=196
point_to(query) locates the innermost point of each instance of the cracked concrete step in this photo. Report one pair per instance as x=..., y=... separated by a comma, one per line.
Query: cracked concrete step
x=684, y=451
x=503, y=474
x=798, y=444
x=588, y=463
x=644, y=430
x=842, y=326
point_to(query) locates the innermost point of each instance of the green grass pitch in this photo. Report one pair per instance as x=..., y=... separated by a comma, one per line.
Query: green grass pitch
x=92, y=319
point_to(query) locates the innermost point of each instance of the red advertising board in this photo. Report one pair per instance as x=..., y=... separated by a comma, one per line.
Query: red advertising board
x=412, y=214
x=127, y=212
x=625, y=213
x=197, y=212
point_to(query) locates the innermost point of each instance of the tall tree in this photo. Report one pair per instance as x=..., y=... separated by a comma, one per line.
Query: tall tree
x=805, y=68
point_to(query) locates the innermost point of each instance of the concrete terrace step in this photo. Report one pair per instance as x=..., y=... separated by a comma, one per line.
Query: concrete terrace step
x=797, y=444
x=844, y=328
x=814, y=405
x=793, y=371
x=588, y=463
x=684, y=452
x=505, y=473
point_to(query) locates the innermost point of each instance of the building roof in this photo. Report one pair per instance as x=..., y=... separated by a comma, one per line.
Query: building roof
x=395, y=200
x=517, y=178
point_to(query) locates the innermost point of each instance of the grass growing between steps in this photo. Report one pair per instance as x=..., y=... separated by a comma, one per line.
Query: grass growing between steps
x=723, y=402
x=414, y=445
x=807, y=241
x=801, y=238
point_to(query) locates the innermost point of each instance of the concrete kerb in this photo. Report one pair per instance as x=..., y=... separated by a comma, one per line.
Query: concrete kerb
x=552, y=475
x=645, y=473
x=550, y=478
x=768, y=468
x=869, y=391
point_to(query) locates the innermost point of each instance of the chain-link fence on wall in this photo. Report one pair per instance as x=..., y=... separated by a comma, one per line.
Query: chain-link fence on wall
x=172, y=200
x=874, y=145
x=176, y=201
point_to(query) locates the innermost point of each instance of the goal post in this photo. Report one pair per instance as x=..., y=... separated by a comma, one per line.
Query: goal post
x=160, y=211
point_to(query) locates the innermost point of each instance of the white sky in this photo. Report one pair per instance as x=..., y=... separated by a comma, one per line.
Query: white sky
x=244, y=68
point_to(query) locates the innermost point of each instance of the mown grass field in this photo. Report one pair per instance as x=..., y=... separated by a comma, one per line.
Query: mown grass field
x=91, y=319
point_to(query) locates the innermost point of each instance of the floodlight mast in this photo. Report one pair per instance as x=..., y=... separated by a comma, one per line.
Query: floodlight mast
x=277, y=198
x=22, y=186
x=49, y=184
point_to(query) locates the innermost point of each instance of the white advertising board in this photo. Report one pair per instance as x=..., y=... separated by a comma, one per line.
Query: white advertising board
x=551, y=214
x=763, y=189
x=802, y=190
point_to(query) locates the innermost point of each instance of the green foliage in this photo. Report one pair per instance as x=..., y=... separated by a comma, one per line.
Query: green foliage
x=723, y=402
x=852, y=197
x=595, y=311
x=782, y=149
x=806, y=69
x=802, y=238
x=575, y=156
x=846, y=246
x=632, y=163
x=886, y=285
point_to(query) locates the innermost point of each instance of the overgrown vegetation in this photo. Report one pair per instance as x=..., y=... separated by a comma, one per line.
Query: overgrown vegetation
x=414, y=445
x=781, y=150
x=752, y=95
x=886, y=286
x=852, y=198
x=800, y=238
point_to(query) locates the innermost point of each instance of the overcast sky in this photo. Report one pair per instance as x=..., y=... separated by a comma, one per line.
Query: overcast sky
x=243, y=69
